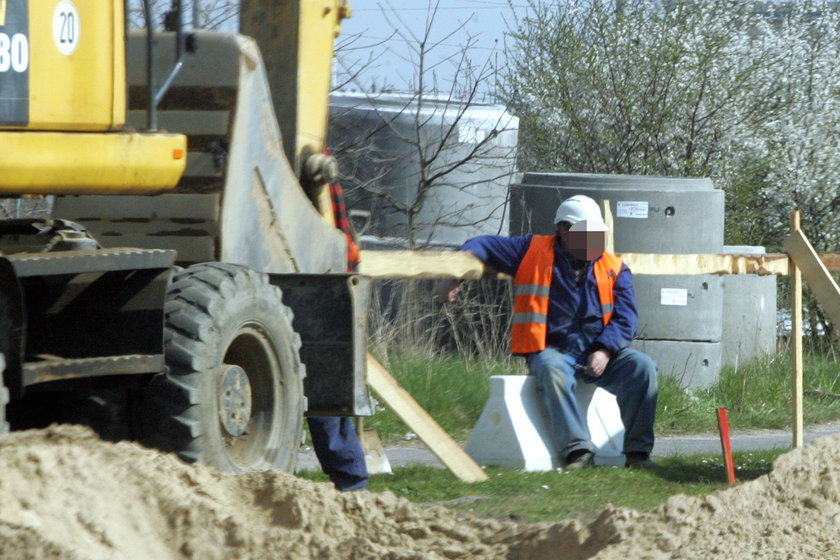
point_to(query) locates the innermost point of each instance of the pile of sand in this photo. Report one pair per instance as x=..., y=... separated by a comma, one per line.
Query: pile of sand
x=66, y=494
x=792, y=513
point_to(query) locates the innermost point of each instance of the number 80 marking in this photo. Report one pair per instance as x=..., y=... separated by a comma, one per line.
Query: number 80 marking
x=14, y=53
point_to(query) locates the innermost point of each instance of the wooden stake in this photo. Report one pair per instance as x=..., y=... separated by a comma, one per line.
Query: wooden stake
x=726, y=445
x=608, y=219
x=441, y=444
x=796, y=341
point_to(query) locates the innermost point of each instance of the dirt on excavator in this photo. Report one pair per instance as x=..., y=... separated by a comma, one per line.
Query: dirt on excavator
x=67, y=494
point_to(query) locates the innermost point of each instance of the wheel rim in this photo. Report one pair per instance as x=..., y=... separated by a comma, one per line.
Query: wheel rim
x=250, y=368
x=234, y=400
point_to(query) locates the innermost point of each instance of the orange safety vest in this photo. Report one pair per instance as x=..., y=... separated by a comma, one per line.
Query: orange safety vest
x=531, y=286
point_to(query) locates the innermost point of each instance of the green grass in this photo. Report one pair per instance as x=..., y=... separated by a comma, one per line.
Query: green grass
x=454, y=391
x=553, y=496
x=756, y=396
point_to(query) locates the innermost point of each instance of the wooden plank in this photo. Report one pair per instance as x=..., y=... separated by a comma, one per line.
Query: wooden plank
x=797, y=384
x=815, y=273
x=762, y=264
x=609, y=245
x=460, y=264
x=441, y=444
x=831, y=261
x=421, y=264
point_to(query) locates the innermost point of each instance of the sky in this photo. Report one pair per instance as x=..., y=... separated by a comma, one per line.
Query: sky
x=376, y=42
x=379, y=40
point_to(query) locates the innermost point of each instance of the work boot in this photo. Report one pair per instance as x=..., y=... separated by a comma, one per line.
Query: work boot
x=580, y=459
x=640, y=461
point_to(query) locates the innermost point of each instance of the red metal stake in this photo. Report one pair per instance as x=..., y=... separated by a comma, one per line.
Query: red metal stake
x=726, y=446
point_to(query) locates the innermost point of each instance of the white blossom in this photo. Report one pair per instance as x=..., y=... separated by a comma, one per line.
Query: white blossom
x=745, y=93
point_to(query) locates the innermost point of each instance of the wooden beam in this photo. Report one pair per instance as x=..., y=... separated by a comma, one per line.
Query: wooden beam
x=831, y=261
x=762, y=264
x=422, y=264
x=796, y=343
x=441, y=444
x=460, y=264
x=608, y=219
x=816, y=274
x=798, y=380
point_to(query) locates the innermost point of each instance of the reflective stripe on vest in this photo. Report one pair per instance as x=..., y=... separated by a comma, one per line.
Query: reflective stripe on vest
x=530, y=296
x=606, y=270
x=531, y=289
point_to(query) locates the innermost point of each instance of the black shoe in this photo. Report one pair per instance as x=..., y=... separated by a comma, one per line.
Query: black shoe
x=581, y=459
x=641, y=461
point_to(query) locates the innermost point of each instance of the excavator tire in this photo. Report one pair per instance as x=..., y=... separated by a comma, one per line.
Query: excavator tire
x=232, y=396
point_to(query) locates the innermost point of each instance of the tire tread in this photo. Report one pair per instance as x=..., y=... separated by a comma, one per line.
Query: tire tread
x=171, y=421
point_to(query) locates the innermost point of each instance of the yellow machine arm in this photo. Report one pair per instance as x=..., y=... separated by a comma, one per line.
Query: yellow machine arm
x=63, y=105
x=296, y=39
x=63, y=96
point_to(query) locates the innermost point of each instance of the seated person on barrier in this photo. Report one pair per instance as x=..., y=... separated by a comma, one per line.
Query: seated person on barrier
x=574, y=318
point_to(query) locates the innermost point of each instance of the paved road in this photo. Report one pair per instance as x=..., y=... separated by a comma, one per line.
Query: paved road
x=405, y=455
x=741, y=441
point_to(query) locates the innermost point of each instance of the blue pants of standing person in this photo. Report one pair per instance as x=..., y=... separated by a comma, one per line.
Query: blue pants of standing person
x=339, y=451
x=630, y=376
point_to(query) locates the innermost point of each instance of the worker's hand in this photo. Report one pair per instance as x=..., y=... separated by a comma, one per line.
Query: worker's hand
x=597, y=363
x=448, y=290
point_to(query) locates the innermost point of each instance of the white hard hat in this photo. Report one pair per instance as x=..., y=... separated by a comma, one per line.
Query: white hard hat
x=582, y=212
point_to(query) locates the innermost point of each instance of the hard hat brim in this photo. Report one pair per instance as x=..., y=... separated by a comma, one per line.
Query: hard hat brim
x=589, y=225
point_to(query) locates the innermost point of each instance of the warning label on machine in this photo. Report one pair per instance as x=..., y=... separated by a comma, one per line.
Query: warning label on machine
x=14, y=62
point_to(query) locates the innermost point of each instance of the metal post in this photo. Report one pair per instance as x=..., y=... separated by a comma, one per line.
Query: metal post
x=151, y=59
x=156, y=95
x=180, y=48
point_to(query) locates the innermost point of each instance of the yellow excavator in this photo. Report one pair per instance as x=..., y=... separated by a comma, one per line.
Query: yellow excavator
x=189, y=288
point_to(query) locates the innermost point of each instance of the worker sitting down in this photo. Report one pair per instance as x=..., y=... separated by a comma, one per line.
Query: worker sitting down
x=574, y=318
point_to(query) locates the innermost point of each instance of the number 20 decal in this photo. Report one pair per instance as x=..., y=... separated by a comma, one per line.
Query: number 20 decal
x=66, y=27
x=14, y=53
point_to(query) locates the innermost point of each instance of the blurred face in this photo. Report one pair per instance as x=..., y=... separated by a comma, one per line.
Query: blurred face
x=582, y=245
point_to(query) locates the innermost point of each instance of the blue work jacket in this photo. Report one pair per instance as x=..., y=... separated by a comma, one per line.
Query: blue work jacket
x=575, y=323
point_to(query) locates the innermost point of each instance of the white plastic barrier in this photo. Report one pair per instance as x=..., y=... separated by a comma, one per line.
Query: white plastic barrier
x=514, y=430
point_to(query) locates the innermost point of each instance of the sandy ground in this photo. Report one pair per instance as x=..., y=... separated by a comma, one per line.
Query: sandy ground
x=66, y=494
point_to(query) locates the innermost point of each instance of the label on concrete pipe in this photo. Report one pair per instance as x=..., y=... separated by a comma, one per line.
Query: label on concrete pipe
x=673, y=296
x=631, y=209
